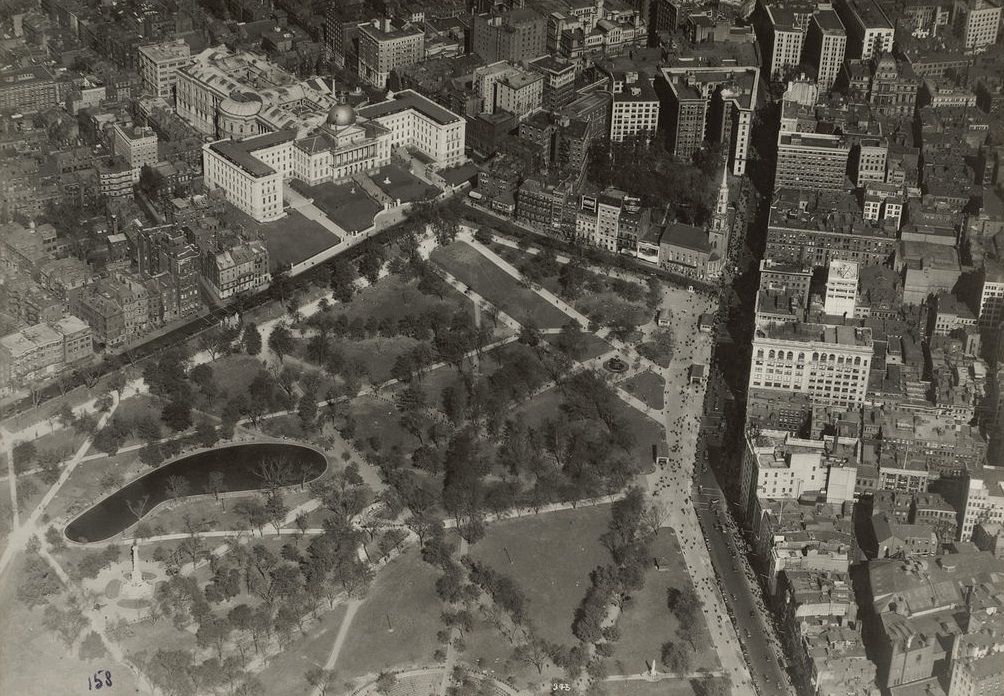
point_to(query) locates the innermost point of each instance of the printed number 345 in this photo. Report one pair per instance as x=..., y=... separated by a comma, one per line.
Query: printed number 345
x=96, y=681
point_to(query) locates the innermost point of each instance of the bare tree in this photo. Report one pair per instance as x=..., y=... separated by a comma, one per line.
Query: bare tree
x=138, y=507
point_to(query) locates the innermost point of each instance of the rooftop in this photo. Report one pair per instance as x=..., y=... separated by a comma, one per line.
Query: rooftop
x=820, y=333
x=409, y=99
x=240, y=152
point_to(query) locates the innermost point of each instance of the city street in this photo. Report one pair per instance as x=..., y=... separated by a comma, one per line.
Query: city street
x=749, y=616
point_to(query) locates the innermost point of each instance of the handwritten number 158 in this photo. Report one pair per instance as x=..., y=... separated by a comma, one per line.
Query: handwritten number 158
x=96, y=682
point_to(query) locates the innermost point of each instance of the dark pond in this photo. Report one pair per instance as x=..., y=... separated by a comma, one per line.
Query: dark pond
x=240, y=465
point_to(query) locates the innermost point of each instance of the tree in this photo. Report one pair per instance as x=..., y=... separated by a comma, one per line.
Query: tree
x=116, y=383
x=386, y=682
x=66, y=623
x=151, y=181
x=213, y=632
x=534, y=652
x=205, y=431
x=253, y=512
x=92, y=647
x=177, y=487
x=678, y=656
x=343, y=278
x=307, y=409
x=572, y=341
x=177, y=415
x=483, y=234
x=280, y=341
x=151, y=454
x=320, y=679
x=38, y=581
x=215, y=484
x=371, y=262
x=276, y=510
x=252, y=339
x=24, y=455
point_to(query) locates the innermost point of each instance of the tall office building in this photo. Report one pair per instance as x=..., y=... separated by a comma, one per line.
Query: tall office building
x=825, y=46
x=634, y=110
x=812, y=161
x=713, y=103
x=830, y=364
x=869, y=31
x=977, y=22
x=158, y=66
x=781, y=37
x=841, y=289
x=383, y=47
x=517, y=35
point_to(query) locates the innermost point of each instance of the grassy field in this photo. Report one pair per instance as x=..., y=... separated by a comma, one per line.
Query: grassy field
x=235, y=372
x=594, y=345
x=286, y=671
x=404, y=593
x=647, y=386
x=637, y=687
x=379, y=418
x=552, y=556
x=394, y=297
x=34, y=661
x=498, y=287
x=646, y=621
x=83, y=487
x=347, y=205
x=293, y=239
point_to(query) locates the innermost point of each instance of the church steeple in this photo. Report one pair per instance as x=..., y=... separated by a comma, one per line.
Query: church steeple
x=718, y=235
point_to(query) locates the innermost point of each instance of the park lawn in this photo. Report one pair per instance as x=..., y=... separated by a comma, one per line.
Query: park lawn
x=285, y=426
x=639, y=687
x=234, y=373
x=608, y=307
x=379, y=418
x=136, y=407
x=552, y=555
x=646, y=622
x=647, y=386
x=393, y=297
x=647, y=432
x=378, y=354
x=6, y=517
x=286, y=671
x=294, y=238
x=30, y=491
x=150, y=636
x=594, y=345
x=472, y=268
x=63, y=441
x=403, y=592
x=34, y=661
x=648, y=435
x=83, y=488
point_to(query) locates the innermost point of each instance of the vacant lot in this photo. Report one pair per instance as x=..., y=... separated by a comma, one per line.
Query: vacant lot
x=550, y=556
x=498, y=287
x=404, y=595
x=646, y=621
x=293, y=239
